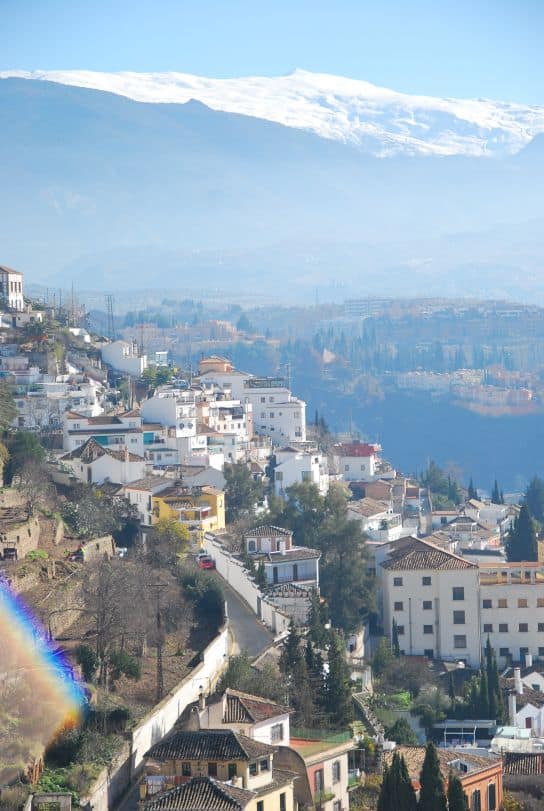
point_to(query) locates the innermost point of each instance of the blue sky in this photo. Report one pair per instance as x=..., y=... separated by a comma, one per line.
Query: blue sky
x=475, y=48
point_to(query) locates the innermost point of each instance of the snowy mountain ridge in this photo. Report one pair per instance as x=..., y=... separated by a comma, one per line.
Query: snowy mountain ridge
x=376, y=120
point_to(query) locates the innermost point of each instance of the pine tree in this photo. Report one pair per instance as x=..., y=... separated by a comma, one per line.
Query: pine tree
x=338, y=684
x=457, y=799
x=432, y=796
x=521, y=542
x=395, y=647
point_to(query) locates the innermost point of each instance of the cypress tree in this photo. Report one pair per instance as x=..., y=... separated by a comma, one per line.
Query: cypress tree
x=395, y=647
x=472, y=493
x=338, y=684
x=385, y=800
x=457, y=799
x=483, y=703
x=521, y=542
x=407, y=795
x=291, y=655
x=451, y=691
x=432, y=796
x=496, y=493
x=397, y=791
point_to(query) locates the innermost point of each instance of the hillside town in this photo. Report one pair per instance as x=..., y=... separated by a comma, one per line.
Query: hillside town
x=262, y=614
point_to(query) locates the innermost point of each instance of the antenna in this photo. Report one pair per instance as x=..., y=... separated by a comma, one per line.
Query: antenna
x=110, y=300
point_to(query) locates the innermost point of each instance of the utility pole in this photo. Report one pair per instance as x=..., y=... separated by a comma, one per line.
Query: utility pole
x=160, y=640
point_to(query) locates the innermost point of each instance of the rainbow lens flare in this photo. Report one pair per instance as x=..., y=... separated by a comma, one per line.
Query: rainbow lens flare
x=38, y=694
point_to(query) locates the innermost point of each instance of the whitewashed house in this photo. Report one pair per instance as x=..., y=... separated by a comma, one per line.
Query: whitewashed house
x=356, y=461
x=94, y=464
x=114, y=431
x=283, y=562
x=377, y=519
x=258, y=718
x=11, y=288
x=295, y=466
x=124, y=356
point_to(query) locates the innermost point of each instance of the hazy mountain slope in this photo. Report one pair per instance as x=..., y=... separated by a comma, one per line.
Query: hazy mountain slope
x=375, y=119
x=115, y=192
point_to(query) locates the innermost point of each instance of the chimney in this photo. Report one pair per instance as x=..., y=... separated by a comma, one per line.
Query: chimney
x=201, y=701
x=518, y=686
x=512, y=708
x=528, y=660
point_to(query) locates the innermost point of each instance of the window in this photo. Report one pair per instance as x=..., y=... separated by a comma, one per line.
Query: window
x=475, y=801
x=523, y=652
x=491, y=797
x=503, y=627
x=264, y=765
x=253, y=769
x=541, y=652
x=212, y=769
x=260, y=805
x=458, y=617
x=400, y=630
x=458, y=593
x=283, y=805
x=251, y=546
x=429, y=653
x=541, y=627
x=319, y=782
x=185, y=769
x=397, y=581
x=276, y=733
x=399, y=607
x=337, y=805
x=271, y=415
x=523, y=627
x=459, y=641
x=488, y=628
x=540, y=602
x=425, y=581
x=336, y=771
x=427, y=629
x=427, y=605
x=522, y=603
x=504, y=651
x=232, y=770
x=502, y=603
x=486, y=604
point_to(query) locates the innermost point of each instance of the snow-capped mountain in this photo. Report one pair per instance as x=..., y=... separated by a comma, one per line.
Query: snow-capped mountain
x=374, y=119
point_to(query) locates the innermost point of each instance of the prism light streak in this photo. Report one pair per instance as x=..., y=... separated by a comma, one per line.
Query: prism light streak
x=37, y=691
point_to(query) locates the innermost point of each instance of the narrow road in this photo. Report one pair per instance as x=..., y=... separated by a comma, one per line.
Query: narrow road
x=248, y=633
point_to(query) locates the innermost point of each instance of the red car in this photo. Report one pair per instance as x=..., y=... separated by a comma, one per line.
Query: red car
x=206, y=562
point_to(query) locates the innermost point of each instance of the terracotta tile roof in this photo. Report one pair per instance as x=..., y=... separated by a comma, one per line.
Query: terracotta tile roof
x=206, y=744
x=449, y=759
x=245, y=708
x=92, y=450
x=267, y=531
x=419, y=555
x=149, y=483
x=202, y=794
x=368, y=507
x=296, y=553
x=529, y=696
x=354, y=449
x=523, y=763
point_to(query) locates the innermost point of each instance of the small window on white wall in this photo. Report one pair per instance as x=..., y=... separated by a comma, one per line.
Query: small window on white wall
x=251, y=546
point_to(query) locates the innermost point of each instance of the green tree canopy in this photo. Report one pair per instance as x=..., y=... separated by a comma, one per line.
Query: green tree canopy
x=457, y=799
x=534, y=498
x=402, y=733
x=397, y=791
x=521, y=541
x=338, y=702
x=432, y=796
x=242, y=493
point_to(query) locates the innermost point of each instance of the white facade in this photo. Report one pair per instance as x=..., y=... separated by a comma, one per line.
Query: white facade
x=272, y=730
x=295, y=467
x=11, y=288
x=116, y=431
x=433, y=598
x=276, y=412
x=124, y=357
x=96, y=465
x=140, y=493
x=377, y=519
x=283, y=562
x=44, y=408
x=356, y=461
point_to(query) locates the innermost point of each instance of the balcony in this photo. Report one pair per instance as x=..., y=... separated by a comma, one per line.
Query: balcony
x=324, y=795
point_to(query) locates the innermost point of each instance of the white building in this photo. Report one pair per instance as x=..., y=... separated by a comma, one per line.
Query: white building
x=356, y=461
x=276, y=412
x=94, y=464
x=43, y=406
x=11, y=288
x=377, y=519
x=258, y=718
x=433, y=597
x=294, y=466
x=124, y=356
x=114, y=431
x=140, y=493
x=283, y=562
x=526, y=703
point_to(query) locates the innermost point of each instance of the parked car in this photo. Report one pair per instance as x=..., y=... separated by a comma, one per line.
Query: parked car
x=206, y=562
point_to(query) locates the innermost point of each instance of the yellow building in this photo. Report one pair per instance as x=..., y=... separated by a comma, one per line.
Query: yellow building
x=215, y=764
x=201, y=509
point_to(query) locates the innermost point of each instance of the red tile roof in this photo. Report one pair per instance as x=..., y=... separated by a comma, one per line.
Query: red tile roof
x=356, y=449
